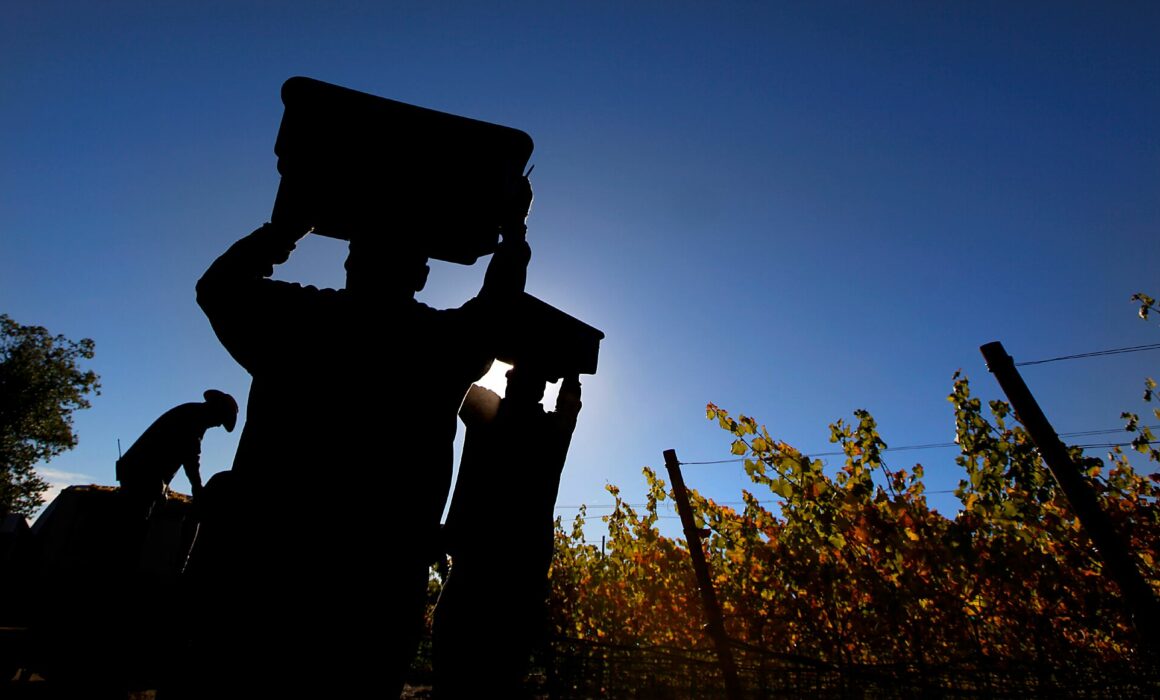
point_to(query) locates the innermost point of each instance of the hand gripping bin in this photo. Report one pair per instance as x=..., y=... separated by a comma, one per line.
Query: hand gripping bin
x=354, y=164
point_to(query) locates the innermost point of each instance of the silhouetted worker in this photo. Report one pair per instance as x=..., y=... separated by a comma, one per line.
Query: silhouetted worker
x=492, y=609
x=138, y=591
x=352, y=413
x=172, y=442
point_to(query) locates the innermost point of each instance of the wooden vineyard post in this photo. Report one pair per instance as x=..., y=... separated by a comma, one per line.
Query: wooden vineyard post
x=1141, y=601
x=716, y=624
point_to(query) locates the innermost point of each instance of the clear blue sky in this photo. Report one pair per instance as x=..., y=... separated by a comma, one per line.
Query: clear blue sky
x=791, y=210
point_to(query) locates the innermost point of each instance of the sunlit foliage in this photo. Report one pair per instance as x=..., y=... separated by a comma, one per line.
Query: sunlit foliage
x=853, y=566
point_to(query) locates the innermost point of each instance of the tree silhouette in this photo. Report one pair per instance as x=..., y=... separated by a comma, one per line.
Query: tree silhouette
x=41, y=384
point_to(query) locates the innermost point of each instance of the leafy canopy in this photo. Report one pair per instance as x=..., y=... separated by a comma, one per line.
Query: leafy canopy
x=41, y=384
x=851, y=565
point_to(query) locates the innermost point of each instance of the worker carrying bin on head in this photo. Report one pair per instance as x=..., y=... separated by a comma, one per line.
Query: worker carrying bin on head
x=492, y=610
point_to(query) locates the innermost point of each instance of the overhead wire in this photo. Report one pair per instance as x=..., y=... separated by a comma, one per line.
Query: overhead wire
x=1097, y=353
x=943, y=445
x=939, y=445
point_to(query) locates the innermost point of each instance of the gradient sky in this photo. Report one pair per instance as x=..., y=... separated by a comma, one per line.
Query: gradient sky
x=791, y=210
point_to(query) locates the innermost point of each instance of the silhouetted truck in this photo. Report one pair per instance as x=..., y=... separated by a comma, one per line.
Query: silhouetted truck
x=87, y=594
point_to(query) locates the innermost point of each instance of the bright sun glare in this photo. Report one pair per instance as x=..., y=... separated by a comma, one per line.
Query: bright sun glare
x=496, y=380
x=496, y=377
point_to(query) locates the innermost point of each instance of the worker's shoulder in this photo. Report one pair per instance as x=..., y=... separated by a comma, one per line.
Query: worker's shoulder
x=182, y=413
x=472, y=307
x=303, y=290
x=179, y=421
x=281, y=297
x=454, y=320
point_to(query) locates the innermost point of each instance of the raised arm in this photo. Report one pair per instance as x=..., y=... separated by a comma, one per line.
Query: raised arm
x=507, y=273
x=237, y=295
x=568, y=399
x=250, y=259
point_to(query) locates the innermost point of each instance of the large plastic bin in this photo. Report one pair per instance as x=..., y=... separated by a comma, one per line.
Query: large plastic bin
x=354, y=164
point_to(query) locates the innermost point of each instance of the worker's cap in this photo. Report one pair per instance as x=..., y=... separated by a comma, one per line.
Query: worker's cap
x=224, y=405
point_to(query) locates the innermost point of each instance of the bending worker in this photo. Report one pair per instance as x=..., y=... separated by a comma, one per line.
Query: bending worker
x=173, y=441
